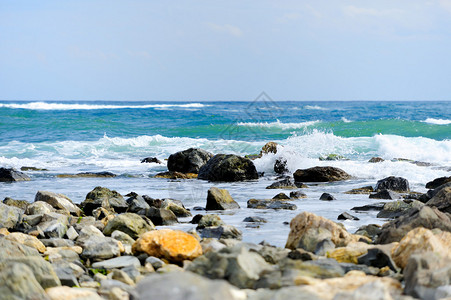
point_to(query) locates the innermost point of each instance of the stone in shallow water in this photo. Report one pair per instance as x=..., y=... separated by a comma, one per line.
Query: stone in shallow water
x=220, y=199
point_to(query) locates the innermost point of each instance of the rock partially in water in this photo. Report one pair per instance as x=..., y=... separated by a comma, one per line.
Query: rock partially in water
x=370, y=231
x=220, y=199
x=438, y=182
x=176, y=175
x=11, y=175
x=176, y=206
x=376, y=160
x=88, y=175
x=280, y=166
x=287, y=184
x=442, y=200
x=188, y=161
x=209, y=221
x=221, y=232
x=397, y=184
x=103, y=197
x=370, y=207
x=320, y=174
x=281, y=196
x=363, y=190
x=228, y=168
x=270, y=204
x=297, y=195
x=347, y=216
x=395, y=209
x=327, y=197
x=385, y=194
x=151, y=160
x=161, y=216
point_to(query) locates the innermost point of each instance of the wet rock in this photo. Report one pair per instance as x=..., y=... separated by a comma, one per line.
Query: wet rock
x=9, y=216
x=327, y=197
x=332, y=157
x=280, y=166
x=220, y=199
x=103, y=197
x=117, y=263
x=25, y=168
x=307, y=230
x=426, y=217
x=438, y=182
x=22, y=204
x=320, y=174
x=26, y=240
x=363, y=190
x=173, y=245
x=397, y=184
x=297, y=195
x=177, y=207
x=370, y=207
x=395, y=209
x=188, y=161
x=88, y=175
x=221, y=232
x=18, y=282
x=65, y=292
x=287, y=184
x=228, y=168
x=176, y=175
x=270, y=147
x=161, y=216
x=151, y=160
x=347, y=216
x=385, y=194
x=10, y=175
x=442, y=200
x=281, y=196
x=376, y=160
x=189, y=287
x=58, y=201
x=270, y=204
x=131, y=224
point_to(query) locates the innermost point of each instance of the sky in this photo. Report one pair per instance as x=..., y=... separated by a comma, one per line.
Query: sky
x=225, y=50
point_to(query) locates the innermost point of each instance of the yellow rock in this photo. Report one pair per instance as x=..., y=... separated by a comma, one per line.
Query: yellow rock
x=173, y=245
x=4, y=231
x=421, y=240
x=67, y=293
x=270, y=147
x=27, y=240
x=54, y=250
x=350, y=253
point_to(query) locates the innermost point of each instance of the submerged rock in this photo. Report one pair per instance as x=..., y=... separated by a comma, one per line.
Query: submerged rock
x=347, y=216
x=363, y=190
x=220, y=199
x=385, y=194
x=320, y=174
x=10, y=175
x=88, y=175
x=228, y=168
x=327, y=197
x=297, y=195
x=188, y=161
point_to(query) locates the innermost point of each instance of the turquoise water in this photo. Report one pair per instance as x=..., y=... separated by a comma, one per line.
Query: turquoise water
x=74, y=136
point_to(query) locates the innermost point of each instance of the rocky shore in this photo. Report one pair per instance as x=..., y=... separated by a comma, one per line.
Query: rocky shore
x=114, y=246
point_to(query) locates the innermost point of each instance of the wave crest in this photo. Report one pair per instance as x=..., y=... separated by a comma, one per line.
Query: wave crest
x=75, y=106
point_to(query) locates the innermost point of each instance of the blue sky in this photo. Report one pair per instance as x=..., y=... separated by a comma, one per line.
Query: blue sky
x=225, y=50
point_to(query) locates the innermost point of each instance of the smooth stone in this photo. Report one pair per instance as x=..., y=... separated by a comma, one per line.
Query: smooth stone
x=220, y=199
x=320, y=174
x=228, y=168
x=117, y=263
x=10, y=175
x=347, y=216
x=132, y=224
x=58, y=201
x=327, y=197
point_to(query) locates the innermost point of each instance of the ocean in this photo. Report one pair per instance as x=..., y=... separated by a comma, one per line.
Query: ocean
x=68, y=137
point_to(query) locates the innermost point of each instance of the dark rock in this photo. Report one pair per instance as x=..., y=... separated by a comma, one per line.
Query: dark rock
x=280, y=166
x=281, y=196
x=414, y=196
x=370, y=207
x=324, y=246
x=270, y=147
x=346, y=216
x=426, y=217
x=320, y=174
x=397, y=184
x=22, y=204
x=196, y=219
x=297, y=195
x=220, y=199
x=198, y=208
x=151, y=160
x=88, y=175
x=103, y=197
x=385, y=194
x=221, y=232
x=377, y=258
x=270, y=204
x=255, y=220
x=161, y=216
x=136, y=203
x=327, y=197
x=431, y=193
x=376, y=160
x=25, y=168
x=395, y=209
x=438, y=182
x=368, y=270
x=10, y=175
x=370, y=231
x=286, y=183
x=57, y=242
x=176, y=175
x=301, y=254
x=442, y=200
x=228, y=168
x=363, y=190
x=188, y=161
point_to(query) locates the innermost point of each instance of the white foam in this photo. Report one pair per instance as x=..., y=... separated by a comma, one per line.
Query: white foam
x=315, y=107
x=279, y=124
x=437, y=121
x=71, y=106
x=345, y=120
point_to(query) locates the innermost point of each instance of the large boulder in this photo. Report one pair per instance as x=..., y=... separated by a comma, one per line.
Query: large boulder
x=173, y=245
x=442, y=200
x=395, y=209
x=320, y=174
x=132, y=224
x=438, y=182
x=176, y=206
x=27, y=240
x=58, y=201
x=307, y=230
x=220, y=199
x=188, y=161
x=9, y=175
x=103, y=197
x=9, y=216
x=425, y=216
x=397, y=184
x=228, y=167
x=18, y=282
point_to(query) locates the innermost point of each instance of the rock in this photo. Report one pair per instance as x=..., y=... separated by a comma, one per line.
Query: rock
x=122, y=237
x=426, y=217
x=18, y=282
x=350, y=253
x=58, y=201
x=332, y=157
x=286, y=183
x=220, y=199
x=228, y=168
x=270, y=147
x=320, y=174
x=173, y=245
x=136, y=203
x=431, y=193
x=10, y=175
x=176, y=175
x=88, y=232
x=376, y=160
x=161, y=216
x=376, y=257
x=270, y=204
x=280, y=166
x=321, y=268
x=209, y=221
x=54, y=225
x=370, y=231
x=397, y=184
x=9, y=216
x=281, y=196
x=442, y=200
x=71, y=233
x=130, y=223
x=347, y=216
x=27, y=240
x=103, y=197
x=22, y=204
x=151, y=160
x=155, y=262
x=117, y=263
x=57, y=242
x=221, y=232
x=307, y=230
x=385, y=194
x=25, y=168
x=188, y=161
x=189, y=287
x=39, y=208
x=375, y=290
x=438, y=182
x=68, y=293
x=363, y=190
x=323, y=247
x=177, y=207
x=297, y=195
x=121, y=276
x=327, y=197
x=421, y=240
x=88, y=175
x=396, y=208
x=101, y=248
x=370, y=207
x=238, y=265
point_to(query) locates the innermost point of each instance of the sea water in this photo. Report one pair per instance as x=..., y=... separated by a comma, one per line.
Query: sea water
x=69, y=137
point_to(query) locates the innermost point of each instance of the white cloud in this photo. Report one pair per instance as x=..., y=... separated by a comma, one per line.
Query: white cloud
x=226, y=28
x=355, y=11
